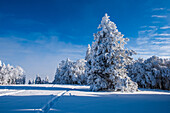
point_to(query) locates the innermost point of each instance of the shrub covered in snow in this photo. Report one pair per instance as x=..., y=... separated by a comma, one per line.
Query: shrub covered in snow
x=107, y=59
x=11, y=75
x=152, y=73
x=69, y=72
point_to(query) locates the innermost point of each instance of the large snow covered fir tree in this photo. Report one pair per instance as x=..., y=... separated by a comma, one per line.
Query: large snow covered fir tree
x=69, y=72
x=11, y=75
x=107, y=60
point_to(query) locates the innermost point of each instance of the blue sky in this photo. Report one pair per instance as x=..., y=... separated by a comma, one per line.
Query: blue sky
x=38, y=34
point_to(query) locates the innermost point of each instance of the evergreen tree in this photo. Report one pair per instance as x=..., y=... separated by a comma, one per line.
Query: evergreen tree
x=69, y=72
x=46, y=80
x=38, y=80
x=106, y=64
x=29, y=82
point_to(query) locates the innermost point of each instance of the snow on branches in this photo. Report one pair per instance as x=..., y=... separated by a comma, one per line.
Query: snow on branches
x=11, y=75
x=108, y=58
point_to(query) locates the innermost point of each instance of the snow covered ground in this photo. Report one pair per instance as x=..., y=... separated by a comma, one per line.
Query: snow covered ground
x=78, y=99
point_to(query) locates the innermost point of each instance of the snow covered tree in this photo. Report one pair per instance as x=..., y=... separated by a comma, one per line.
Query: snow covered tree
x=11, y=75
x=106, y=64
x=38, y=80
x=63, y=72
x=78, y=72
x=69, y=72
x=46, y=80
x=153, y=73
x=29, y=82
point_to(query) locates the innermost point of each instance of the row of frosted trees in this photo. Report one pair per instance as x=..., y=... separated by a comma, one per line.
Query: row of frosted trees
x=11, y=75
x=153, y=72
x=39, y=80
x=108, y=65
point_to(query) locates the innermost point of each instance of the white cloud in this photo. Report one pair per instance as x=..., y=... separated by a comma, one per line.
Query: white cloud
x=143, y=26
x=165, y=27
x=145, y=53
x=159, y=16
x=160, y=38
x=141, y=41
x=157, y=9
x=162, y=34
x=152, y=26
x=162, y=42
x=153, y=41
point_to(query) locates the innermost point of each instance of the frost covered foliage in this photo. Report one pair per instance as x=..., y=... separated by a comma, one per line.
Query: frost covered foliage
x=152, y=73
x=69, y=72
x=11, y=75
x=108, y=57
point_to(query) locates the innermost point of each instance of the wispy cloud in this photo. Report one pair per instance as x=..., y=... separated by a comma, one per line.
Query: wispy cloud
x=153, y=39
x=162, y=34
x=152, y=27
x=165, y=27
x=159, y=16
x=162, y=42
x=160, y=38
x=158, y=9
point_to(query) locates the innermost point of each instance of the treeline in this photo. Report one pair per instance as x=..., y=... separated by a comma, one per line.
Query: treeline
x=39, y=80
x=153, y=73
x=109, y=66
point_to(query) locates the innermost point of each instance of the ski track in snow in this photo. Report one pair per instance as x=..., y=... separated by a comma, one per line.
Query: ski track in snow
x=11, y=93
x=50, y=103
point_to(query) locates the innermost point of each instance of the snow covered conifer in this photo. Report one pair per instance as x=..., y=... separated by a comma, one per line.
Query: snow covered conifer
x=46, y=80
x=29, y=82
x=63, y=72
x=69, y=72
x=38, y=80
x=11, y=75
x=88, y=52
x=153, y=73
x=108, y=58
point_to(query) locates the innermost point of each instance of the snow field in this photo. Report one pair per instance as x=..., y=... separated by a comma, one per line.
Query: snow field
x=79, y=99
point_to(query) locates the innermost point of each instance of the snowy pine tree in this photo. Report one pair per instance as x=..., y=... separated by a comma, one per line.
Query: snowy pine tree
x=63, y=72
x=106, y=64
x=29, y=82
x=38, y=80
x=46, y=80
